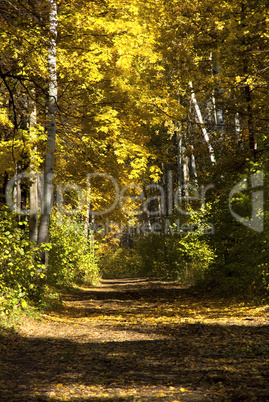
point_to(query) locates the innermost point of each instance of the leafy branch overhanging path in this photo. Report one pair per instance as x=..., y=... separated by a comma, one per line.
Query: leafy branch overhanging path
x=138, y=340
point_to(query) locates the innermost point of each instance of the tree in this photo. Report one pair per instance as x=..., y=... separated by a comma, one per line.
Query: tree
x=47, y=197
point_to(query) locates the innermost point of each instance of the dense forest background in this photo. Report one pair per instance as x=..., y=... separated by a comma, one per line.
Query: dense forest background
x=133, y=142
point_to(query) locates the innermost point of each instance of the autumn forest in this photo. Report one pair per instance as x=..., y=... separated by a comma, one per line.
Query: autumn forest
x=134, y=156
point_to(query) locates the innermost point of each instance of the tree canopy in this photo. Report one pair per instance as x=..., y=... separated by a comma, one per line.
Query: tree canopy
x=161, y=96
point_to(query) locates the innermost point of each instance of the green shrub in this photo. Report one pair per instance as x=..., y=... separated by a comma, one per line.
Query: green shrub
x=23, y=279
x=18, y=258
x=185, y=258
x=196, y=260
x=241, y=266
x=19, y=276
x=120, y=263
x=72, y=258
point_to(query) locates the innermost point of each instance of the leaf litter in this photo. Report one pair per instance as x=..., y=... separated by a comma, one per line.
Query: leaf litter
x=138, y=340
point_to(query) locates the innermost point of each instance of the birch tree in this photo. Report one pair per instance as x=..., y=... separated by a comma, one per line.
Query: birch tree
x=33, y=214
x=47, y=197
x=201, y=122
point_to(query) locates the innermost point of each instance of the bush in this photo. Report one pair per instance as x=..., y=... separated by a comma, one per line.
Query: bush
x=178, y=257
x=19, y=278
x=120, y=263
x=72, y=257
x=23, y=279
x=241, y=267
x=197, y=259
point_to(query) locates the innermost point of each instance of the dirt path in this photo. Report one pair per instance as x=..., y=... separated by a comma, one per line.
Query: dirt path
x=138, y=340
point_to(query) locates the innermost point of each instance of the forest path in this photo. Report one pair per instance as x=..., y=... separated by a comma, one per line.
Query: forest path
x=138, y=340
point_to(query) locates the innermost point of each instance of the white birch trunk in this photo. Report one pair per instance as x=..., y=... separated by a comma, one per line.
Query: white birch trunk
x=237, y=129
x=186, y=174
x=51, y=129
x=218, y=110
x=213, y=97
x=87, y=222
x=33, y=216
x=17, y=192
x=193, y=168
x=179, y=159
x=201, y=122
x=185, y=170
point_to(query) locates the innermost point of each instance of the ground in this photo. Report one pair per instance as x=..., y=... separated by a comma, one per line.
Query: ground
x=139, y=340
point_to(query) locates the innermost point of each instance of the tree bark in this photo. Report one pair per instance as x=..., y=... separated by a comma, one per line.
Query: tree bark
x=193, y=168
x=247, y=91
x=237, y=129
x=201, y=121
x=179, y=158
x=17, y=190
x=33, y=216
x=47, y=198
x=218, y=109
